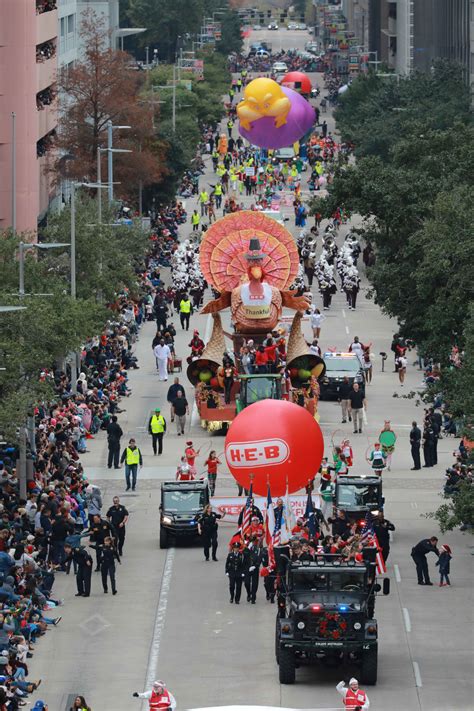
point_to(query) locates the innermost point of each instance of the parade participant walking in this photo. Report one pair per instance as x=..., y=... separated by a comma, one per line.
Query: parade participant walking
x=382, y=528
x=212, y=462
x=415, y=442
x=316, y=318
x=207, y=528
x=190, y=453
x=117, y=515
x=162, y=354
x=377, y=459
x=358, y=403
x=185, y=311
x=107, y=564
x=100, y=530
x=159, y=698
x=353, y=697
x=173, y=392
x=344, y=398
x=179, y=410
x=195, y=220
x=83, y=562
x=253, y=561
x=419, y=553
x=132, y=457
x=114, y=433
x=387, y=439
x=80, y=704
x=235, y=571
x=157, y=428
x=443, y=562
x=203, y=201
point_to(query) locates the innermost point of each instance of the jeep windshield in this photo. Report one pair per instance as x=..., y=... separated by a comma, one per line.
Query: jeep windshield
x=322, y=581
x=357, y=496
x=183, y=501
x=351, y=366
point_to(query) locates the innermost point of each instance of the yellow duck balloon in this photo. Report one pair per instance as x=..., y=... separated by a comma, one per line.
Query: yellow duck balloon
x=263, y=97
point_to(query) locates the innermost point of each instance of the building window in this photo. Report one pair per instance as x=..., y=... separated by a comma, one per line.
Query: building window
x=70, y=24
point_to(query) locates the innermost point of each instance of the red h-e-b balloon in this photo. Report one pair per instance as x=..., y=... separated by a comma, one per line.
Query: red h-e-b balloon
x=275, y=442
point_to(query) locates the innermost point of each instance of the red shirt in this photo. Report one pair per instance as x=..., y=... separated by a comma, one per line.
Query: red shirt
x=261, y=358
x=212, y=465
x=271, y=352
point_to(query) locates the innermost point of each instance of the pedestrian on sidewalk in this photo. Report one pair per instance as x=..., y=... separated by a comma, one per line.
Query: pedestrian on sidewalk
x=419, y=553
x=179, y=410
x=107, y=564
x=415, y=442
x=117, y=515
x=132, y=457
x=114, y=434
x=157, y=428
x=162, y=354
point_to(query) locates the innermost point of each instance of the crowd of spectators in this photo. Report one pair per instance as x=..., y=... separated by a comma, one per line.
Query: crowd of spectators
x=45, y=6
x=45, y=51
x=45, y=98
x=45, y=144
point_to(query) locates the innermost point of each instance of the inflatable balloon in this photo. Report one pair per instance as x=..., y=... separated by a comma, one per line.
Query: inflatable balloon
x=265, y=134
x=298, y=81
x=277, y=443
x=263, y=97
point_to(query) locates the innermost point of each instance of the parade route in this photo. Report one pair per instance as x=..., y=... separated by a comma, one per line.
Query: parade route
x=172, y=620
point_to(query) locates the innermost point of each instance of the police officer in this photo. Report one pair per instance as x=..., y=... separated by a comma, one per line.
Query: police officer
x=157, y=428
x=99, y=529
x=270, y=578
x=83, y=562
x=253, y=561
x=419, y=553
x=117, y=515
x=415, y=441
x=235, y=571
x=207, y=528
x=185, y=311
x=382, y=528
x=132, y=457
x=108, y=556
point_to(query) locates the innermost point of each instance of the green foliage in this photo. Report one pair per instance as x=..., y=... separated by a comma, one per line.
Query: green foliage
x=458, y=511
x=412, y=183
x=231, y=39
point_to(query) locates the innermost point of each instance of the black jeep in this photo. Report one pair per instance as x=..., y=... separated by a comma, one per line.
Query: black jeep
x=356, y=494
x=326, y=614
x=182, y=502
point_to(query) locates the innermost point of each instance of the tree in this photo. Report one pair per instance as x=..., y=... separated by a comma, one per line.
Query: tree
x=101, y=87
x=231, y=38
x=459, y=511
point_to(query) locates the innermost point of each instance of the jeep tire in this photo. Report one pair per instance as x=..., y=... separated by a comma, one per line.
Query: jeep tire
x=277, y=639
x=163, y=537
x=287, y=673
x=369, y=666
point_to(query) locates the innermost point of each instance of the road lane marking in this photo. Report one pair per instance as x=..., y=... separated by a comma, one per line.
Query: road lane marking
x=347, y=330
x=416, y=670
x=344, y=313
x=390, y=536
x=406, y=617
x=151, y=672
x=396, y=570
x=414, y=505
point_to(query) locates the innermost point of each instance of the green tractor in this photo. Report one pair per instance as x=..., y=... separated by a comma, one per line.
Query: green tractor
x=254, y=388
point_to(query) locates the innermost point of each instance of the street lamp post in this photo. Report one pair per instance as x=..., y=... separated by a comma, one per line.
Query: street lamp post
x=111, y=151
x=23, y=246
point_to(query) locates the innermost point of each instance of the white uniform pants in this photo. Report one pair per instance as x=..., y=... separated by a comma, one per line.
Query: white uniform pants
x=162, y=364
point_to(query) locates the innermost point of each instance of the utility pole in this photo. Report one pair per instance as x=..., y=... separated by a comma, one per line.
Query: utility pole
x=110, y=167
x=99, y=182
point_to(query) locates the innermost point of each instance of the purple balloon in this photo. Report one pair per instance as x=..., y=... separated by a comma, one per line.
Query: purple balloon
x=299, y=120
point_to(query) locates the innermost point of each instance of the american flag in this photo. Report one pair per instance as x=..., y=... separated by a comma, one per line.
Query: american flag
x=269, y=530
x=309, y=516
x=370, y=537
x=247, y=517
x=277, y=529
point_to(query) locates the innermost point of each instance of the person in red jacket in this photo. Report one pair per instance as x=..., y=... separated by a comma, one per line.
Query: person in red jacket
x=212, y=462
x=158, y=697
x=261, y=360
x=353, y=697
x=271, y=351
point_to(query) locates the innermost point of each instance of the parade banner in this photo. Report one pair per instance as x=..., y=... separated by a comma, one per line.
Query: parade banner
x=232, y=505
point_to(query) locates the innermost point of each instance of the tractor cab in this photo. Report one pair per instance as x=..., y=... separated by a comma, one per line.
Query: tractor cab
x=254, y=388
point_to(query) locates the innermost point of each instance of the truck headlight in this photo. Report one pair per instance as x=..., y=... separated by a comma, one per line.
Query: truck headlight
x=357, y=625
x=167, y=520
x=301, y=625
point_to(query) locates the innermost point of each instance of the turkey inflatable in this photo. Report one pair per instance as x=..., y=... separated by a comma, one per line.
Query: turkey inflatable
x=251, y=260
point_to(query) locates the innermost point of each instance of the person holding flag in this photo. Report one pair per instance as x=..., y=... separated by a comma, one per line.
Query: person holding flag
x=370, y=540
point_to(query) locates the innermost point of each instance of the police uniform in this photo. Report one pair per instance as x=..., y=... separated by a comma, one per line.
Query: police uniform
x=117, y=515
x=234, y=568
x=83, y=561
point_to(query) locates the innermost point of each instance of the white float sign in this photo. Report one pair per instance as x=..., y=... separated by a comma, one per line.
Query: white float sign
x=232, y=505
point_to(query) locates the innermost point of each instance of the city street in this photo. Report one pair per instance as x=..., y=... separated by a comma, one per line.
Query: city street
x=172, y=620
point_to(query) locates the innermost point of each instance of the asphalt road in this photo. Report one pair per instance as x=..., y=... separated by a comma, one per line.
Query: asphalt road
x=171, y=618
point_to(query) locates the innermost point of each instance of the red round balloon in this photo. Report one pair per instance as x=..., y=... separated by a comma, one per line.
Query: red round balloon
x=298, y=81
x=274, y=442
